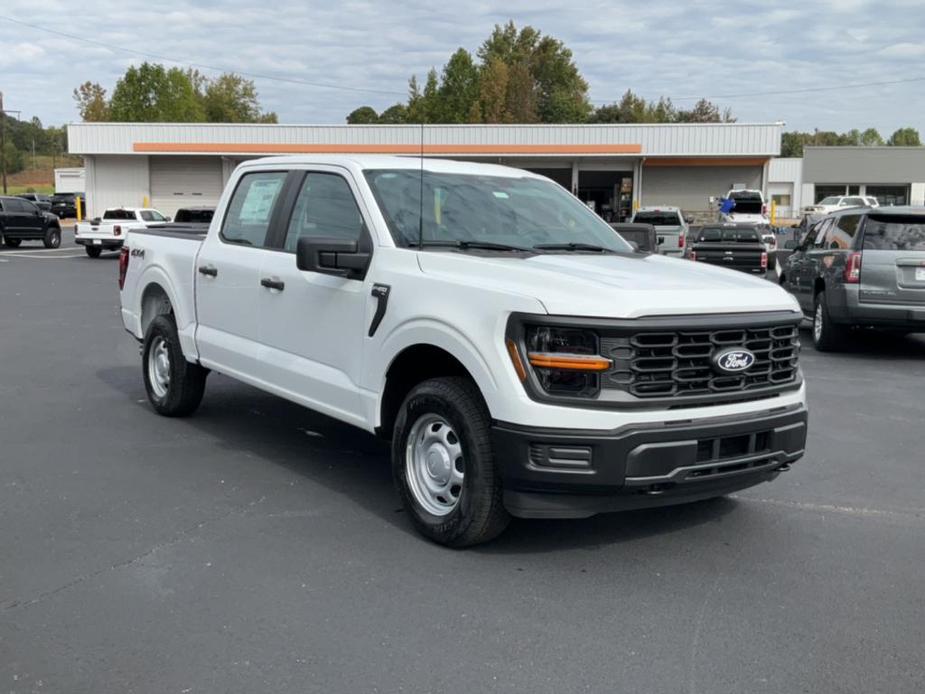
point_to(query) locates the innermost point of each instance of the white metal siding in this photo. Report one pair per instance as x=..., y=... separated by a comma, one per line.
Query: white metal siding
x=690, y=187
x=185, y=182
x=70, y=180
x=700, y=139
x=115, y=182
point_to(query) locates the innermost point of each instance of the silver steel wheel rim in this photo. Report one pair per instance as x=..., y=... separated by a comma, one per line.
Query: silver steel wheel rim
x=159, y=367
x=817, y=323
x=434, y=464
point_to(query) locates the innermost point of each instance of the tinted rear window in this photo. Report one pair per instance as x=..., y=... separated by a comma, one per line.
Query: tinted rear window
x=194, y=216
x=746, y=203
x=729, y=235
x=119, y=214
x=658, y=219
x=894, y=233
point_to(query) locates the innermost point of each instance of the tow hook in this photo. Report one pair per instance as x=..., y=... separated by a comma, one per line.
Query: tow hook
x=783, y=468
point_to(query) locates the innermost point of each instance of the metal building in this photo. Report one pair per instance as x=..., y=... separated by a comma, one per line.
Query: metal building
x=893, y=175
x=613, y=168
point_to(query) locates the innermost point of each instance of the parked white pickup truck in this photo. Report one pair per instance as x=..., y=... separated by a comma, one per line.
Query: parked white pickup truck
x=108, y=233
x=520, y=356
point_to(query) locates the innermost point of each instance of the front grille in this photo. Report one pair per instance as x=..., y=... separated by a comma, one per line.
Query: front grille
x=669, y=364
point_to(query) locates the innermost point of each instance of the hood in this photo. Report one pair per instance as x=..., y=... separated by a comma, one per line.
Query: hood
x=612, y=286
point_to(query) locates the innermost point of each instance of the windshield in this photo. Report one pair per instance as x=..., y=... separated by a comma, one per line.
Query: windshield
x=730, y=235
x=658, y=219
x=476, y=209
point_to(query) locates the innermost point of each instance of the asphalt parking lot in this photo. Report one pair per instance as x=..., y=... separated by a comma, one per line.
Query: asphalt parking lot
x=258, y=547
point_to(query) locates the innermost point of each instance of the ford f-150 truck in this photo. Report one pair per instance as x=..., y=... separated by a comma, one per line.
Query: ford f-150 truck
x=108, y=233
x=736, y=246
x=521, y=358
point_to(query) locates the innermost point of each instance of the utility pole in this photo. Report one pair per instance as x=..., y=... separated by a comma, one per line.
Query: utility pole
x=3, y=141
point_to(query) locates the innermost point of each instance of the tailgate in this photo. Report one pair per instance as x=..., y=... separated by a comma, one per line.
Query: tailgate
x=893, y=260
x=729, y=256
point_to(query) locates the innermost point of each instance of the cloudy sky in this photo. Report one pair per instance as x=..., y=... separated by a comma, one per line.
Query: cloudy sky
x=767, y=61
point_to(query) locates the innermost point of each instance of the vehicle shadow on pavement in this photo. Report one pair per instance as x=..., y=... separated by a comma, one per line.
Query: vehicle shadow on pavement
x=863, y=342
x=355, y=464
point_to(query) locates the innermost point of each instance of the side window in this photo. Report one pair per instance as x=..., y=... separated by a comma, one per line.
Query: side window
x=247, y=219
x=821, y=233
x=846, y=229
x=157, y=216
x=325, y=208
x=146, y=216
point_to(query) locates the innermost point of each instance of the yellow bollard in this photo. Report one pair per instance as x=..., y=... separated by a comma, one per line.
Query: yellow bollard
x=773, y=213
x=79, y=200
x=144, y=202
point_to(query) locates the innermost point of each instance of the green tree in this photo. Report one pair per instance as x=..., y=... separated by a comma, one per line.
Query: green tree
x=561, y=91
x=13, y=157
x=791, y=144
x=91, y=102
x=871, y=138
x=397, y=113
x=705, y=112
x=149, y=93
x=493, y=92
x=364, y=115
x=230, y=98
x=905, y=137
x=459, y=87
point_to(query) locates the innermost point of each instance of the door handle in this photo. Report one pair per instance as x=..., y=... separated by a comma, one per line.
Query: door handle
x=271, y=283
x=208, y=270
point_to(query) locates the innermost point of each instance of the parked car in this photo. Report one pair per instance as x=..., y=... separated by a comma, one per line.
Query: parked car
x=20, y=220
x=43, y=202
x=108, y=233
x=748, y=207
x=643, y=236
x=838, y=202
x=861, y=267
x=670, y=225
x=518, y=354
x=64, y=205
x=733, y=246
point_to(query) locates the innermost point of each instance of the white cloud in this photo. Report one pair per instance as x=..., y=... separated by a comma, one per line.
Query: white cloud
x=903, y=50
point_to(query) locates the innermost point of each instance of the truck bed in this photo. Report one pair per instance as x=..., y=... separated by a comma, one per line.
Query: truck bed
x=178, y=230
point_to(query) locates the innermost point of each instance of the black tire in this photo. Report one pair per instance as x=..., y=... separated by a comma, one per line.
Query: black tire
x=93, y=251
x=479, y=514
x=187, y=381
x=53, y=238
x=827, y=335
x=12, y=243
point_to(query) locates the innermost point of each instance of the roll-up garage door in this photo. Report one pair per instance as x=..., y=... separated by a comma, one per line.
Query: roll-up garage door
x=185, y=182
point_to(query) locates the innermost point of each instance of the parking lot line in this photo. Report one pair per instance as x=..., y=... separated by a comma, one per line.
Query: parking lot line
x=33, y=255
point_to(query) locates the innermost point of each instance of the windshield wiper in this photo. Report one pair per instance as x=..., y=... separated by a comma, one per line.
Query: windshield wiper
x=467, y=245
x=573, y=246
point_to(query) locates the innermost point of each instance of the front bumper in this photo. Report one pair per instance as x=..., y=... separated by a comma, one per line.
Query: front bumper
x=560, y=473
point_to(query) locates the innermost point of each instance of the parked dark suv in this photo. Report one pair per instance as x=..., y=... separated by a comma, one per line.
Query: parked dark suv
x=861, y=267
x=20, y=221
x=65, y=204
x=43, y=202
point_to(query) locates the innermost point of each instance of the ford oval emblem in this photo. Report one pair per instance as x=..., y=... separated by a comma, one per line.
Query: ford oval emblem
x=732, y=361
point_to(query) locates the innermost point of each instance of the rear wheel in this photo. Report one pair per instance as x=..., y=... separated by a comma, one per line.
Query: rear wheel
x=12, y=243
x=443, y=464
x=827, y=336
x=93, y=251
x=53, y=238
x=174, y=385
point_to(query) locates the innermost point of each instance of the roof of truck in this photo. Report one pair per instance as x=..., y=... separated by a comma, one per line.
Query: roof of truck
x=382, y=161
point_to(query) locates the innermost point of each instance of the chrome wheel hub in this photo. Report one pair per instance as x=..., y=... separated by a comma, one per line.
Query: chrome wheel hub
x=159, y=367
x=434, y=465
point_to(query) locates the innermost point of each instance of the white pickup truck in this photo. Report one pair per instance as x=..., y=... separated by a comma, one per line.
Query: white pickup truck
x=520, y=356
x=109, y=232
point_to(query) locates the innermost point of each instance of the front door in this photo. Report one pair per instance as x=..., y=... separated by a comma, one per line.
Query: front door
x=228, y=276
x=810, y=263
x=313, y=325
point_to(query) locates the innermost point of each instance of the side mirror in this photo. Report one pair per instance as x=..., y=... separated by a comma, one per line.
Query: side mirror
x=791, y=245
x=331, y=256
x=688, y=220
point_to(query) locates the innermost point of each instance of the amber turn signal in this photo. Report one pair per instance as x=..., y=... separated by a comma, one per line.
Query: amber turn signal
x=515, y=358
x=569, y=362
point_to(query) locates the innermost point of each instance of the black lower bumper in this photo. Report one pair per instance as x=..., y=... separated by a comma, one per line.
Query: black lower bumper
x=559, y=473
x=106, y=245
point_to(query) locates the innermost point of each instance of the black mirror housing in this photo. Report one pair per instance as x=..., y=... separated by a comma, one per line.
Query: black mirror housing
x=332, y=256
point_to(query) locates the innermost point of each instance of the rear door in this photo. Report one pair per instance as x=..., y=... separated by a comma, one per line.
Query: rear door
x=893, y=259
x=228, y=276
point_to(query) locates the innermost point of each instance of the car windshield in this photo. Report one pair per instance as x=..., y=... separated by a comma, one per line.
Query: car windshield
x=828, y=201
x=473, y=210
x=729, y=235
x=658, y=218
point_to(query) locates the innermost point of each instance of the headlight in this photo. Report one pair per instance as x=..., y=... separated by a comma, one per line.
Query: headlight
x=565, y=360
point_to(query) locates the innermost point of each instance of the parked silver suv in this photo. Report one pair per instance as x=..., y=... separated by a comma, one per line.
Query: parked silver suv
x=861, y=267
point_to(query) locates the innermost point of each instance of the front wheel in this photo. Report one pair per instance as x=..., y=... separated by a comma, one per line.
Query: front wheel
x=93, y=251
x=443, y=464
x=827, y=335
x=53, y=239
x=174, y=385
